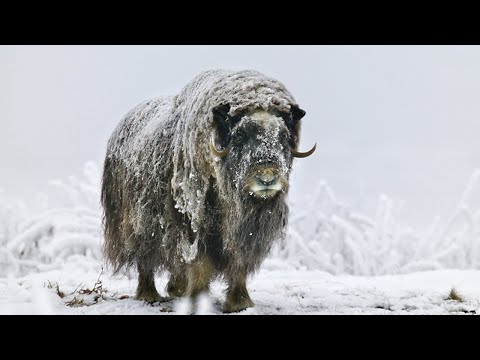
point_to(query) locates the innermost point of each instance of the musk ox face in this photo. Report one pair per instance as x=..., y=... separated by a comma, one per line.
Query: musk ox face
x=256, y=150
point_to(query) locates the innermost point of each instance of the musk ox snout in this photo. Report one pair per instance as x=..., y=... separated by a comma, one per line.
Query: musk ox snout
x=266, y=178
x=266, y=182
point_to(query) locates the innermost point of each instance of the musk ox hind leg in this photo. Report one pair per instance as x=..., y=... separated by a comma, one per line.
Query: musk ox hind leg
x=199, y=276
x=238, y=298
x=146, y=289
x=177, y=285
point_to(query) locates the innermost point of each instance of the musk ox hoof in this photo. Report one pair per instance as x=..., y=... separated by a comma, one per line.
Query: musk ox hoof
x=151, y=297
x=238, y=306
x=176, y=289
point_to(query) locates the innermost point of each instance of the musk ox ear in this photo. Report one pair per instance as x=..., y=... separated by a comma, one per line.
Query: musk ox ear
x=221, y=121
x=220, y=112
x=297, y=113
x=292, y=118
x=294, y=124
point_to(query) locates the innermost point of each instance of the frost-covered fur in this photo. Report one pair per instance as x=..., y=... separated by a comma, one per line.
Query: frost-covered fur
x=170, y=204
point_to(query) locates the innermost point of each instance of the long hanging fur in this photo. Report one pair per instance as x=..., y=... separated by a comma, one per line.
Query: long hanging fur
x=167, y=199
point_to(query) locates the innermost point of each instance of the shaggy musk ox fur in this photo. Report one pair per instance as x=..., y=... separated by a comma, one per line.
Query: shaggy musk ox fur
x=195, y=184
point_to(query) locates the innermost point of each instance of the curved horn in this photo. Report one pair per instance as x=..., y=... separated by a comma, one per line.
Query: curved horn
x=215, y=151
x=299, y=154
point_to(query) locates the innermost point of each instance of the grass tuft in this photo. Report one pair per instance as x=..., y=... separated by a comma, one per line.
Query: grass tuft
x=455, y=296
x=55, y=286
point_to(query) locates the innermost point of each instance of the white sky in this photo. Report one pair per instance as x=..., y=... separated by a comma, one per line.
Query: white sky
x=399, y=120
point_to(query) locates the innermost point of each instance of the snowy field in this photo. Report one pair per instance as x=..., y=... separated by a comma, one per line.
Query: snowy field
x=334, y=261
x=275, y=292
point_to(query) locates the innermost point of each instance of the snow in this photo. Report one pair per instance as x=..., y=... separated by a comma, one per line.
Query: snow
x=276, y=292
x=334, y=260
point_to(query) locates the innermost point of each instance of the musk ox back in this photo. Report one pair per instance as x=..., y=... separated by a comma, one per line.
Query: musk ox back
x=196, y=184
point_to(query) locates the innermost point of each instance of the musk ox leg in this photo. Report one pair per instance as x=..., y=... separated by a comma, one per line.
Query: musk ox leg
x=146, y=289
x=238, y=298
x=177, y=285
x=199, y=275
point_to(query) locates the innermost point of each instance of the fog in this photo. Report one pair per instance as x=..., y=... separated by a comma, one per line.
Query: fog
x=396, y=120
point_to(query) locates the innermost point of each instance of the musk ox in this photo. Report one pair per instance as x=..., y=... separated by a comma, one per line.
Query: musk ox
x=196, y=184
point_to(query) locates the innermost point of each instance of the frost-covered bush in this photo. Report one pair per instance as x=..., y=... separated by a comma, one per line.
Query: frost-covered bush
x=42, y=240
x=327, y=235
x=324, y=234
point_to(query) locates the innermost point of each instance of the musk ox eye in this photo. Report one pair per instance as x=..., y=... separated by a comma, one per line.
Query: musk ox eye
x=284, y=136
x=238, y=138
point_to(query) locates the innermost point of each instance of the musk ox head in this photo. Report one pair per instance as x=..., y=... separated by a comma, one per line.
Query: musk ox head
x=255, y=149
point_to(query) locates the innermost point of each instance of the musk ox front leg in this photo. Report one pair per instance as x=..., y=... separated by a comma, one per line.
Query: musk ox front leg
x=238, y=298
x=146, y=289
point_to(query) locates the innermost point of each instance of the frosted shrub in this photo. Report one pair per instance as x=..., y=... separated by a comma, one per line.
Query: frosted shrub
x=43, y=240
x=327, y=235
x=323, y=234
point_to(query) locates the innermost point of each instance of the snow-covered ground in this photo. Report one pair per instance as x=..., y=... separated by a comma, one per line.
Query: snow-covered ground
x=273, y=291
x=334, y=261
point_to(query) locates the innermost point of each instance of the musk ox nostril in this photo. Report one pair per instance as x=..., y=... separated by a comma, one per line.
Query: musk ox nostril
x=266, y=179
